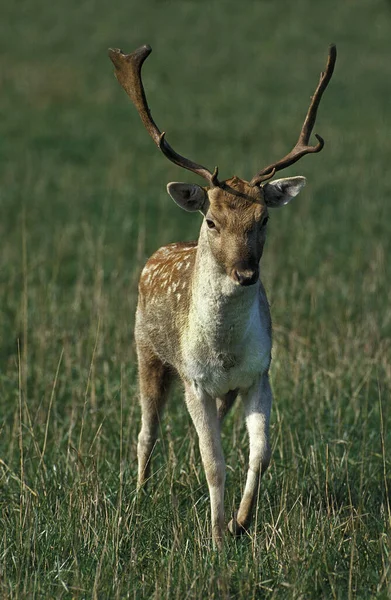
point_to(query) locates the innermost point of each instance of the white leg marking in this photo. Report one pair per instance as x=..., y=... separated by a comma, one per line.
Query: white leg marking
x=202, y=409
x=257, y=405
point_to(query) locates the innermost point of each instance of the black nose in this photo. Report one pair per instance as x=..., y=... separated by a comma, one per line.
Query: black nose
x=246, y=276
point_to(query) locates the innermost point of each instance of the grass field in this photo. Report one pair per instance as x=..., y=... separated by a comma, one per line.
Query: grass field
x=83, y=204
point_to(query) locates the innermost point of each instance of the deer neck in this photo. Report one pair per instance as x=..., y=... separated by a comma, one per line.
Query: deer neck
x=221, y=310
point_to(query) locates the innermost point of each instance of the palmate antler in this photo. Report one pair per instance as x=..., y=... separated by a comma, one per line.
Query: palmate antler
x=302, y=148
x=128, y=72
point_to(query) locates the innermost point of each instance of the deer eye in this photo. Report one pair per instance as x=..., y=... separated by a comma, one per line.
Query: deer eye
x=211, y=224
x=265, y=220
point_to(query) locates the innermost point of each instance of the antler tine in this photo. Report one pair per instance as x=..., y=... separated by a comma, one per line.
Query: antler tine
x=302, y=146
x=128, y=72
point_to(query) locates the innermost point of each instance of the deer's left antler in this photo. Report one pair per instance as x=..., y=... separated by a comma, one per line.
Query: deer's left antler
x=302, y=147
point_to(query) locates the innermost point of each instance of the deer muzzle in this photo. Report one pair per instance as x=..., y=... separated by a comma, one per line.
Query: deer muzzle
x=245, y=277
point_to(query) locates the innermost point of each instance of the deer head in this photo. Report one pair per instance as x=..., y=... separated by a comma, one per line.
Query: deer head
x=235, y=211
x=235, y=218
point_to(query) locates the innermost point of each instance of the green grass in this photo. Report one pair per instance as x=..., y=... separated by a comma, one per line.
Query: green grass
x=83, y=204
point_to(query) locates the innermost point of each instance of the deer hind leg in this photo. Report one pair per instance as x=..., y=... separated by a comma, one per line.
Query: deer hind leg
x=154, y=384
x=203, y=411
x=257, y=404
x=225, y=403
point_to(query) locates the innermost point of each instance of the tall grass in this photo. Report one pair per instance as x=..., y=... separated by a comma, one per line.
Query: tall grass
x=83, y=203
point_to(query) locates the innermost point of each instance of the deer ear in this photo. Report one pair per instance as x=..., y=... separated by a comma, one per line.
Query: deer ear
x=189, y=196
x=281, y=191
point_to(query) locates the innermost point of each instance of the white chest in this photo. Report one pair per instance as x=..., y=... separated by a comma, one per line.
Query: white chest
x=227, y=343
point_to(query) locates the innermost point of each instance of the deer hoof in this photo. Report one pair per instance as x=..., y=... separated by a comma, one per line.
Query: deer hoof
x=235, y=528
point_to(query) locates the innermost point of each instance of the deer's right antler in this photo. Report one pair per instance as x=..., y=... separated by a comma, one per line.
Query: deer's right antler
x=128, y=72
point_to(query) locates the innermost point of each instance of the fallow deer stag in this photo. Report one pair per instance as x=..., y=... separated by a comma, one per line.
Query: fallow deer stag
x=202, y=311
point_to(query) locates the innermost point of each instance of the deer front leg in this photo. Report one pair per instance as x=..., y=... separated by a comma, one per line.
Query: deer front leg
x=203, y=411
x=257, y=404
